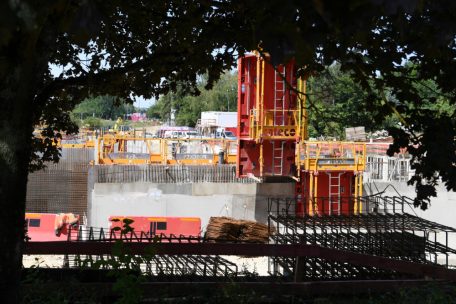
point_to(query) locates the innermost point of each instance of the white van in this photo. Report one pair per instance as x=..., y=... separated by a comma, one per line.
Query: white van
x=172, y=134
x=222, y=133
x=191, y=134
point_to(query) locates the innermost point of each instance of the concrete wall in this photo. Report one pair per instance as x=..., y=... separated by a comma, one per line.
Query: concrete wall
x=442, y=208
x=241, y=201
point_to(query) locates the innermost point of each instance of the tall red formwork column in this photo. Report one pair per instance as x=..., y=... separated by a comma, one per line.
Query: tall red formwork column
x=269, y=118
x=247, y=83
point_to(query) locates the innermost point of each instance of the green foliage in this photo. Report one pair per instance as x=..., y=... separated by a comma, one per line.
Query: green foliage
x=40, y=291
x=124, y=266
x=105, y=107
x=338, y=102
x=93, y=123
x=222, y=97
x=428, y=132
x=149, y=48
x=429, y=294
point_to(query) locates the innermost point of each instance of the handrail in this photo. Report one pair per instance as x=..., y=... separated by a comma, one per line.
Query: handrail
x=118, y=150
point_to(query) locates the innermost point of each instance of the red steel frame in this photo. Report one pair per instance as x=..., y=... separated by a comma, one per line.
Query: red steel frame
x=253, y=250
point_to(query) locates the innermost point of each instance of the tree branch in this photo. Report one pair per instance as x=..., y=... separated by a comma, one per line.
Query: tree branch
x=88, y=78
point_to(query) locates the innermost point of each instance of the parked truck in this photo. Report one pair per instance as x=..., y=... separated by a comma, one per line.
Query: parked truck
x=213, y=122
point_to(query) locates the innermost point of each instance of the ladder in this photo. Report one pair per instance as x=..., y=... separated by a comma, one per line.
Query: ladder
x=334, y=193
x=277, y=157
x=279, y=95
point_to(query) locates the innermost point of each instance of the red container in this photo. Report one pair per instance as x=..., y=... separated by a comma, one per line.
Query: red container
x=156, y=225
x=44, y=227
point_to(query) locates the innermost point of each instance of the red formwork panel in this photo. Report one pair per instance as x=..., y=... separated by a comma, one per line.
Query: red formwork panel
x=327, y=199
x=279, y=158
x=247, y=70
x=279, y=100
x=248, y=156
x=275, y=162
x=279, y=91
x=278, y=95
x=41, y=227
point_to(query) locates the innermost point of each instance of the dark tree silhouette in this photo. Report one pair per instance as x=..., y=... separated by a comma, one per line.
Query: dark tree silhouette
x=120, y=48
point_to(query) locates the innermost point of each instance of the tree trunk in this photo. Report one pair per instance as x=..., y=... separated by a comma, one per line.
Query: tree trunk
x=16, y=95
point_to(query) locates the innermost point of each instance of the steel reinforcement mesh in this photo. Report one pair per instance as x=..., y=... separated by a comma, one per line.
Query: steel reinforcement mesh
x=384, y=230
x=168, y=174
x=61, y=187
x=164, y=265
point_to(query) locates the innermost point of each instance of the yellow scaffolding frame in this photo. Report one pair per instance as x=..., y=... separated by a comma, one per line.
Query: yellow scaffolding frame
x=327, y=156
x=262, y=124
x=108, y=145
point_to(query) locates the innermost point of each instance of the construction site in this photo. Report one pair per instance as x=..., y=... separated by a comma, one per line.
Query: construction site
x=270, y=210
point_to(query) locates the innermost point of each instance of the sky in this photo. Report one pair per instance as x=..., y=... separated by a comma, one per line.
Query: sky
x=140, y=102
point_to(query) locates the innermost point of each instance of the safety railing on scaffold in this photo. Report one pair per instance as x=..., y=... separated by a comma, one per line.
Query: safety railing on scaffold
x=338, y=156
x=276, y=125
x=129, y=150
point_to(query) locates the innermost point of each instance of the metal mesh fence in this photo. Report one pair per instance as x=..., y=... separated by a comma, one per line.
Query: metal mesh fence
x=61, y=187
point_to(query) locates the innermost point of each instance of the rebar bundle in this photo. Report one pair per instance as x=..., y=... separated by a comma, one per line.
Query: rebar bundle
x=229, y=229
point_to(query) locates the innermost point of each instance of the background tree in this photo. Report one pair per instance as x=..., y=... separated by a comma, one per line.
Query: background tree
x=373, y=40
x=338, y=102
x=116, y=48
x=146, y=48
x=222, y=97
x=102, y=107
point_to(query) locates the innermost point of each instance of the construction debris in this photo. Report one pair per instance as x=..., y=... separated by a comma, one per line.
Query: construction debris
x=222, y=229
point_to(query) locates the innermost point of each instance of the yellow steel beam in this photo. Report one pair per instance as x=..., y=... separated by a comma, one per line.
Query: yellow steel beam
x=355, y=207
x=360, y=190
x=311, y=187
x=315, y=194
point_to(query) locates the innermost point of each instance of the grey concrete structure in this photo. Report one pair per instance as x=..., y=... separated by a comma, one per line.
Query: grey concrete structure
x=241, y=201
